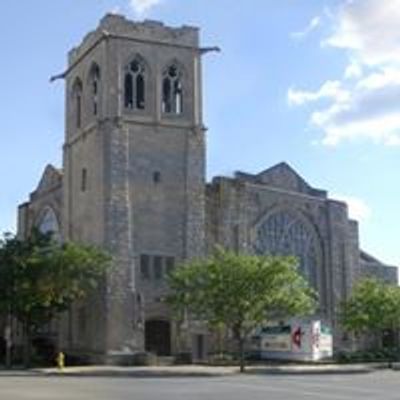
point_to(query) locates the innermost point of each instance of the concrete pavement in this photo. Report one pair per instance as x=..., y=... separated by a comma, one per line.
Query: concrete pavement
x=381, y=384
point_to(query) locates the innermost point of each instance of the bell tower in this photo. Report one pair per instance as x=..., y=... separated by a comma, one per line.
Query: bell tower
x=134, y=174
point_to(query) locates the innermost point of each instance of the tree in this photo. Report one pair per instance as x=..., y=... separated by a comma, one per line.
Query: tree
x=374, y=306
x=240, y=291
x=40, y=278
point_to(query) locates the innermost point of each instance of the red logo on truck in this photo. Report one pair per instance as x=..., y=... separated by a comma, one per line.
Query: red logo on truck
x=296, y=337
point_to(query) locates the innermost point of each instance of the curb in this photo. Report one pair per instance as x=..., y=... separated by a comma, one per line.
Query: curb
x=198, y=371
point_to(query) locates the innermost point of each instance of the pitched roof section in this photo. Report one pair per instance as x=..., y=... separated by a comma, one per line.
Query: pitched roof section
x=282, y=176
x=366, y=257
x=51, y=179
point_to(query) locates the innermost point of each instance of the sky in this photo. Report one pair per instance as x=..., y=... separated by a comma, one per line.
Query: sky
x=312, y=83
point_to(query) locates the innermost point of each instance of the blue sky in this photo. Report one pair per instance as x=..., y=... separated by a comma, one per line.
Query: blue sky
x=314, y=83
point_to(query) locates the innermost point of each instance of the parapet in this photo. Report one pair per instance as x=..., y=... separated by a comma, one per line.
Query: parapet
x=148, y=30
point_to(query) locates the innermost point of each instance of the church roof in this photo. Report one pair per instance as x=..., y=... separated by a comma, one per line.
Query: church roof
x=366, y=257
x=282, y=176
x=51, y=178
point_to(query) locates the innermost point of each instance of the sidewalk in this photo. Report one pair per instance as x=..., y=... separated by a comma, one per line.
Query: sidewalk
x=207, y=371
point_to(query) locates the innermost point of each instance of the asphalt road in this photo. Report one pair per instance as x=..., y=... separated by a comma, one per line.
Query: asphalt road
x=383, y=385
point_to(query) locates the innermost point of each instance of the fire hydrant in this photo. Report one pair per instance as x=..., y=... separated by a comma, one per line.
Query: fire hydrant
x=60, y=361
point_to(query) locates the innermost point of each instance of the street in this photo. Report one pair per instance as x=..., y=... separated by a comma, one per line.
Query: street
x=377, y=385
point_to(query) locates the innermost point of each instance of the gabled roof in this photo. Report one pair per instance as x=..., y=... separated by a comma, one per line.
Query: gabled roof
x=284, y=177
x=51, y=178
x=366, y=257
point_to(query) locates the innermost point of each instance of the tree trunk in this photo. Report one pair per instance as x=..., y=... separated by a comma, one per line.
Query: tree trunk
x=241, y=354
x=220, y=340
x=27, y=344
x=8, y=339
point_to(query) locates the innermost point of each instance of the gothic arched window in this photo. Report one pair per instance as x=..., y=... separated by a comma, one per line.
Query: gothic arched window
x=48, y=223
x=77, y=89
x=285, y=234
x=94, y=82
x=172, y=101
x=135, y=85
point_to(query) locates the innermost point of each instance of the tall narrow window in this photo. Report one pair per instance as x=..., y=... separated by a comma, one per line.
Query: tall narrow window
x=94, y=78
x=158, y=267
x=135, y=85
x=169, y=265
x=78, y=110
x=145, y=267
x=77, y=101
x=84, y=180
x=139, y=92
x=172, y=99
x=128, y=91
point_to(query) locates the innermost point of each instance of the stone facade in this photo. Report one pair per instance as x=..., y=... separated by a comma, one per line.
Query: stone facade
x=371, y=267
x=277, y=212
x=133, y=182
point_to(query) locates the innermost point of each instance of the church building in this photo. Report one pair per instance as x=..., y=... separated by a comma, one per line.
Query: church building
x=133, y=182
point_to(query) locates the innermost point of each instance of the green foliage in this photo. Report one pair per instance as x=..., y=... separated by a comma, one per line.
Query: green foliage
x=240, y=291
x=372, y=355
x=372, y=307
x=39, y=278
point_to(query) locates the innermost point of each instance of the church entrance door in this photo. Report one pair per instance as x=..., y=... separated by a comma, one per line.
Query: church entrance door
x=158, y=337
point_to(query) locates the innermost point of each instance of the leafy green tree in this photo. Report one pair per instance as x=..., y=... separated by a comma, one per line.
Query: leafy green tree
x=374, y=306
x=240, y=291
x=40, y=278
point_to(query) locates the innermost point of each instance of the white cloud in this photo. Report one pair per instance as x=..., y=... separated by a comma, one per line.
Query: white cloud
x=353, y=70
x=141, y=7
x=358, y=208
x=329, y=90
x=369, y=29
x=370, y=112
x=313, y=24
x=364, y=102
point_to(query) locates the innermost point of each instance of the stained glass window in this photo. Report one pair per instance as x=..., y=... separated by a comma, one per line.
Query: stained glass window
x=284, y=233
x=172, y=91
x=49, y=223
x=135, y=85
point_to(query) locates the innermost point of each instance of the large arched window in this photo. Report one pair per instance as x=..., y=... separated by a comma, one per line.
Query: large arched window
x=94, y=82
x=48, y=223
x=172, y=91
x=77, y=89
x=284, y=233
x=135, y=85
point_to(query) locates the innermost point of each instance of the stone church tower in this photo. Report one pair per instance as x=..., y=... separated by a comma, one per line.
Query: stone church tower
x=134, y=173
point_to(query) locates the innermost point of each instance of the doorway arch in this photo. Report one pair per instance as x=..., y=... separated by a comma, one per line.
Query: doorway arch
x=158, y=337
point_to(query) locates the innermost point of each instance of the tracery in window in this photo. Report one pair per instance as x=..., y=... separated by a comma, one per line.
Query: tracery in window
x=94, y=78
x=172, y=100
x=77, y=101
x=48, y=223
x=135, y=85
x=285, y=234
